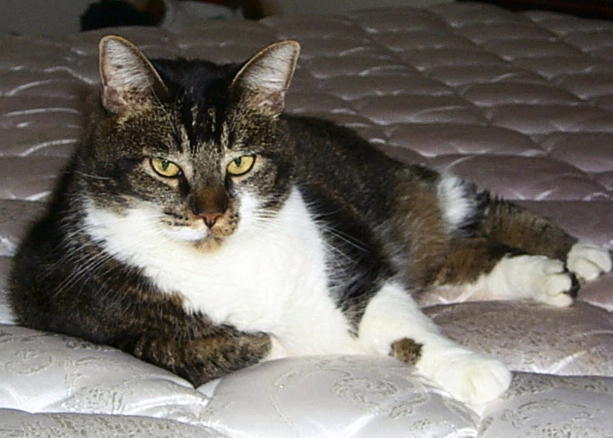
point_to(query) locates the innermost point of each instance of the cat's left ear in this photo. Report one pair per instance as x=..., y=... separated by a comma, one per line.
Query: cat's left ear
x=264, y=79
x=129, y=80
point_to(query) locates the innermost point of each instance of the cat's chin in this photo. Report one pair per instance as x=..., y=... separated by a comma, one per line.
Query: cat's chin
x=209, y=244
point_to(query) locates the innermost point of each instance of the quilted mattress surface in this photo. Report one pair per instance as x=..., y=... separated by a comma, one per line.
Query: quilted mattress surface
x=522, y=104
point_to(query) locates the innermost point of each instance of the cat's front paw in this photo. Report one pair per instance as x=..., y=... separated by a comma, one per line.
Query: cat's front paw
x=587, y=261
x=471, y=377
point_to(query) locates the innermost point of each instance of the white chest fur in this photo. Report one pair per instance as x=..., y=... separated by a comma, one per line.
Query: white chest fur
x=269, y=278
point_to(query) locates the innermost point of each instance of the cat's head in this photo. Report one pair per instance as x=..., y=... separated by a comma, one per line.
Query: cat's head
x=197, y=148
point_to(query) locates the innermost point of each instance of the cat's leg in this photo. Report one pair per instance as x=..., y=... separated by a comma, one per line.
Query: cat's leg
x=498, y=250
x=541, y=262
x=202, y=359
x=393, y=324
x=513, y=226
x=535, y=277
x=479, y=269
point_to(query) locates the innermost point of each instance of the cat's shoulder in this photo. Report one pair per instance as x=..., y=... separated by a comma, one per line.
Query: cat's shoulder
x=325, y=139
x=322, y=128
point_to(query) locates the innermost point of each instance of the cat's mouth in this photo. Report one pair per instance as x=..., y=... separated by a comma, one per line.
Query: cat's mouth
x=200, y=235
x=186, y=234
x=201, y=239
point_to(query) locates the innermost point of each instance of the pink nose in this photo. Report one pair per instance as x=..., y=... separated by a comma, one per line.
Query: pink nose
x=210, y=218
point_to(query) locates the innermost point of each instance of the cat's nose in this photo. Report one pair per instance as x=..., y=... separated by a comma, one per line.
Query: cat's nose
x=209, y=204
x=210, y=218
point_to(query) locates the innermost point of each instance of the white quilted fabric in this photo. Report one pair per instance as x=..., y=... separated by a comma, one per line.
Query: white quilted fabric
x=520, y=103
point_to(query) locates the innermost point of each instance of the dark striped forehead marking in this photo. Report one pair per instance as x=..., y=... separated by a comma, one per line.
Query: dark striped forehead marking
x=201, y=123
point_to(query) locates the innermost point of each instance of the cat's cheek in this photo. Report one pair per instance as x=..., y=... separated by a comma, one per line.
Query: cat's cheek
x=225, y=230
x=248, y=208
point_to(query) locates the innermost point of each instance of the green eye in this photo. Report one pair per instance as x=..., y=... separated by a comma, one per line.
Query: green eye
x=241, y=165
x=165, y=168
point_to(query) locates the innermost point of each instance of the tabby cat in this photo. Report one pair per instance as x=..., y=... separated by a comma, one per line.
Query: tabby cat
x=201, y=229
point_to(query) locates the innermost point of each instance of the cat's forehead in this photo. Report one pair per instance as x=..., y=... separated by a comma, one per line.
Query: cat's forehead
x=203, y=128
x=207, y=117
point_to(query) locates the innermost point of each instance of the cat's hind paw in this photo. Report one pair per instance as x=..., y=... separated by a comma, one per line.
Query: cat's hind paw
x=587, y=261
x=535, y=277
x=552, y=284
x=473, y=378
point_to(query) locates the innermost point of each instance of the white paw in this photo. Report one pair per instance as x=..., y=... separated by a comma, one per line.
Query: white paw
x=587, y=261
x=550, y=283
x=471, y=377
x=535, y=277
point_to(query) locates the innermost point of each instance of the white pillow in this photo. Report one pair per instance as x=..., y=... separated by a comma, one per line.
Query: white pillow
x=42, y=372
x=337, y=396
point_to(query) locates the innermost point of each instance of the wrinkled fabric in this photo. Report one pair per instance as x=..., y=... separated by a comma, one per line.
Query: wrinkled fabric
x=522, y=104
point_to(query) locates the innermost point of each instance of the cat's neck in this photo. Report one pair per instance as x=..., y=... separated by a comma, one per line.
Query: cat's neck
x=245, y=282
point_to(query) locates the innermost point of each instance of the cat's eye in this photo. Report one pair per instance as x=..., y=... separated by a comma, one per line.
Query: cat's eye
x=241, y=165
x=165, y=168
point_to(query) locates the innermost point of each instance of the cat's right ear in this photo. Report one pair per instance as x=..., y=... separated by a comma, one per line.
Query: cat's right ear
x=129, y=81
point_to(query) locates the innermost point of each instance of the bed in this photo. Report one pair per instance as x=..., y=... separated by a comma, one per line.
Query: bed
x=520, y=103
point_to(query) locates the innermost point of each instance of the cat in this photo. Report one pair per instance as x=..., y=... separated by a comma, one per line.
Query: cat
x=202, y=229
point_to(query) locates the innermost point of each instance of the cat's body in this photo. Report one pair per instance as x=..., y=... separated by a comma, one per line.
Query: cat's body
x=202, y=230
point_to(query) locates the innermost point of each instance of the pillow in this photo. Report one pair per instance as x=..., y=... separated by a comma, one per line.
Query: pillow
x=43, y=372
x=22, y=424
x=335, y=396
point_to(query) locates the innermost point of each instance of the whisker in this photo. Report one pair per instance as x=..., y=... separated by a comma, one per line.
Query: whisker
x=87, y=175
